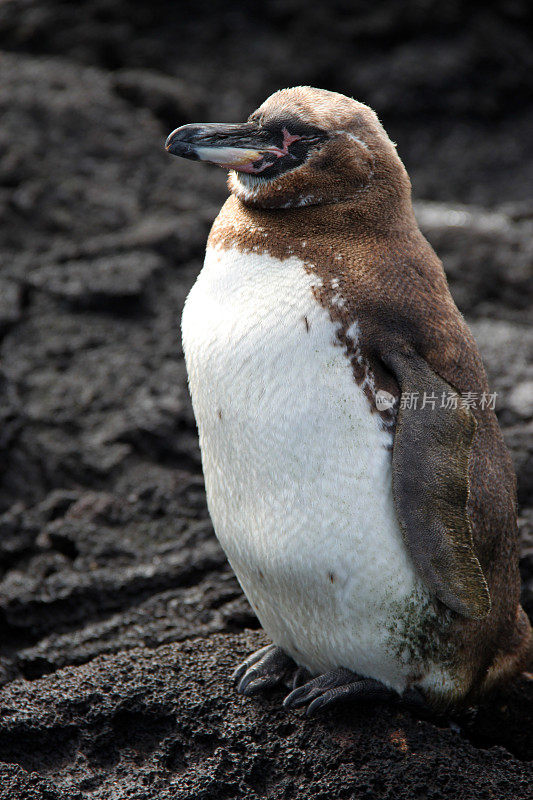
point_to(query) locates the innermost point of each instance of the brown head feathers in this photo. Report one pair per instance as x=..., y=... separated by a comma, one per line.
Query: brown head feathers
x=349, y=157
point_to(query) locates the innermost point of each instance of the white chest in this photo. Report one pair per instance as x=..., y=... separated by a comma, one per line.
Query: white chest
x=297, y=469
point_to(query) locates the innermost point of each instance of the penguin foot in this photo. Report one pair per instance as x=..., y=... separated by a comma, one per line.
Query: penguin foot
x=339, y=684
x=262, y=670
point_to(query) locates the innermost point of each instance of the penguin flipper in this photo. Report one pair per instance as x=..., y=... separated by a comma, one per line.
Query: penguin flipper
x=430, y=483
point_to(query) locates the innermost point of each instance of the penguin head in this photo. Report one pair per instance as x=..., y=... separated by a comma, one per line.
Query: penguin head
x=302, y=147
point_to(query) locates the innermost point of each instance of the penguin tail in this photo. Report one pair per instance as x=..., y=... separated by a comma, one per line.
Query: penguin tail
x=514, y=660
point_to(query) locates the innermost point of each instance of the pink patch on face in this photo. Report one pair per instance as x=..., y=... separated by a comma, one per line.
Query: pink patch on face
x=288, y=139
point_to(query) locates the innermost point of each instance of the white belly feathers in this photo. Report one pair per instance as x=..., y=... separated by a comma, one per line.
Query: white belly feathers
x=297, y=468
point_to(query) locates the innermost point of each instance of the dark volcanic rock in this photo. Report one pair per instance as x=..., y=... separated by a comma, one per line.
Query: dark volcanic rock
x=169, y=99
x=488, y=257
x=166, y=723
x=109, y=572
x=108, y=282
x=10, y=304
x=105, y=541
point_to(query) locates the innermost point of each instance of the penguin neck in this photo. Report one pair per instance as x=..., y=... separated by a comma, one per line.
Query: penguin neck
x=343, y=219
x=377, y=198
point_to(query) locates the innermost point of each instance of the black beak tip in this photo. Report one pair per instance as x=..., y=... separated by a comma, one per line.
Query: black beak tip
x=171, y=142
x=178, y=147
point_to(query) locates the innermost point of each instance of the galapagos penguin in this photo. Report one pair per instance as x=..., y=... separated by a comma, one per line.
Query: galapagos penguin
x=365, y=502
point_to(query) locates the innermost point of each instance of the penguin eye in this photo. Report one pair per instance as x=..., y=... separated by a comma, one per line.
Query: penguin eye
x=306, y=133
x=313, y=139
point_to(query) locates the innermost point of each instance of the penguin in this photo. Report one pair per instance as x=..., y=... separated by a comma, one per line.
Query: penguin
x=355, y=472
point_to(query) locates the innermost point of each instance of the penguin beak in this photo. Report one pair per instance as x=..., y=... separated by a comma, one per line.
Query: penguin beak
x=245, y=148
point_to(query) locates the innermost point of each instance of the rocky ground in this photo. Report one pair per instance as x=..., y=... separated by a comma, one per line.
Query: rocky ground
x=119, y=616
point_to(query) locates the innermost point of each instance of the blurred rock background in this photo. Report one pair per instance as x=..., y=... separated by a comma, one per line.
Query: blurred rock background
x=107, y=556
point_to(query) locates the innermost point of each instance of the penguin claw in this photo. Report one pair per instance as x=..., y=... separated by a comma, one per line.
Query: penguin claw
x=333, y=686
x=248, y=662
x=317, y=686
x=252, y=683
x=262, y=670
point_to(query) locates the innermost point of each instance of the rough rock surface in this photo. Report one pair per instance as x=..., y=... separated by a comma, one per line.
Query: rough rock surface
x=109, y=568
x=164, y=723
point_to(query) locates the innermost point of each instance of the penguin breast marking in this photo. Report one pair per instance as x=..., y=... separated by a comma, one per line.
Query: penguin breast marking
x=298, y=469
